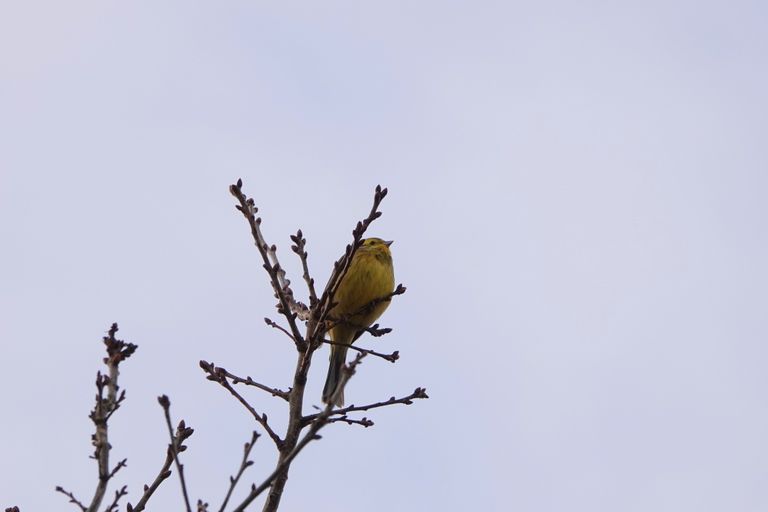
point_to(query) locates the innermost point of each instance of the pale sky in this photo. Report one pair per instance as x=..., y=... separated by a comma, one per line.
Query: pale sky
x=578, y=203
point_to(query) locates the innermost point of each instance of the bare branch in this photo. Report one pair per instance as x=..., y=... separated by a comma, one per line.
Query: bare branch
x=394, y=356
x=123, y=491
x=243, y=466
x=176, y=446
x=164, y=473
x=376, y=332
x=275, y=325
x=297, y=308
x=320, y=421
x=220, y=375
x=117, y=352
x=165, y=403
x=365, y=422
x=300, y=243
x=120, y=465
x=213, y=374
x=287, y=306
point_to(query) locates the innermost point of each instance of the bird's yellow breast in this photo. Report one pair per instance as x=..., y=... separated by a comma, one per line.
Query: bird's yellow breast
x=370, y=276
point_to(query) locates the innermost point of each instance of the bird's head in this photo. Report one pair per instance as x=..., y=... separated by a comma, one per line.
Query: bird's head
x=375, y=246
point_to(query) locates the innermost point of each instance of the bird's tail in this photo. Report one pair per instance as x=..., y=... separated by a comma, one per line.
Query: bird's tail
x=338, y=359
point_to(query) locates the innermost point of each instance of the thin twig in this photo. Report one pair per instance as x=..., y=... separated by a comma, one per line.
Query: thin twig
x=279, y=327
x=123, y=491
x=164, y=473
x=220, y=375
x=120, y=465
x=418, y=393
x=345, y=320
x=394, y=356
x=213, y=374
x=165, y=403
x=297, y=308
x=377, y=332
x=365, y=422
x=177, y=445
x=300, y=243
x=243, y=466
x=71, y=497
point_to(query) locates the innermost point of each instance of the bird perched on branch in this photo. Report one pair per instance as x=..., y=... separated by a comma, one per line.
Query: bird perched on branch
x=362, y=296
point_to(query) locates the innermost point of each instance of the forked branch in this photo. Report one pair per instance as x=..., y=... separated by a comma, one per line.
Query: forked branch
x=311, y=435
x=287, y=306
x=220, y=375
x=418, y=393
x=233, y=480
x=214, y=373
x=176, y=446
x=165, y=403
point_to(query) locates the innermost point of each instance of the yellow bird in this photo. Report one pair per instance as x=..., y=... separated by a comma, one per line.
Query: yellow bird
x=369, y=277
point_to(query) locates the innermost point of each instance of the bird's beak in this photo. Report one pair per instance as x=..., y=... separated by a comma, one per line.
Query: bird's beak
x=388, y=243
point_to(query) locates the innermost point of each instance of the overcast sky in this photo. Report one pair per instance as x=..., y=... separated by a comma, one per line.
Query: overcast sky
x=578, y=203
